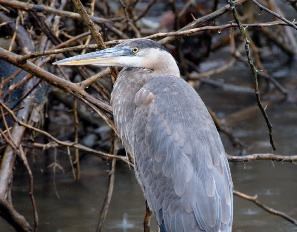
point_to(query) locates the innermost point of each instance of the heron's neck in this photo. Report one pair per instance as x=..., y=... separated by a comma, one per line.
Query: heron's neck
x=162, y=63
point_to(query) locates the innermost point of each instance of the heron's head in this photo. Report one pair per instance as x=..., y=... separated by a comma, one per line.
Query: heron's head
x=138, y=53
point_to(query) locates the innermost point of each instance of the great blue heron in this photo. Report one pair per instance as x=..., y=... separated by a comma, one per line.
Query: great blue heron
x=180, y=161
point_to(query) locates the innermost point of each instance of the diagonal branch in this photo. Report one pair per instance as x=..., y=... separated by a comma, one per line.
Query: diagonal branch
x=254, y=199
x=275, y=14
x=204, y=19
x=95, y=34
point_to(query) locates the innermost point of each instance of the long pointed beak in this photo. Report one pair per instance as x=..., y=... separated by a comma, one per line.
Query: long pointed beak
x=107, y=57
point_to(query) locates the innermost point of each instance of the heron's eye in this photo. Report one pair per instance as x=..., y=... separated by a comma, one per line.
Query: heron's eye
x=135, y=50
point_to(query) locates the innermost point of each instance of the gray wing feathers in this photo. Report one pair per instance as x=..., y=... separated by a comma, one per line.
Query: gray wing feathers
x=180, y=159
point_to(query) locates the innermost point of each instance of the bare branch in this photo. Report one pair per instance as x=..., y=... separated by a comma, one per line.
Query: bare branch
x=263, y=156
x=173, y=34
x=253, y=68
x=275, y=14
x=41, y=8
x=265, y=207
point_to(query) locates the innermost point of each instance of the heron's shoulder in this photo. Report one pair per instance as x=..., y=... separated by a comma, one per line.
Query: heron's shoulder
x=171, y=85
x=174, y=92
x=167, y=79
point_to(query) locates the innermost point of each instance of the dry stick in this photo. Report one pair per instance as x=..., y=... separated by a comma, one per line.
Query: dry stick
x=107, y=200
x=289, y=33
x=8, y=212
x=41, y=8
x=204, y=19
x=264, y=156
x=27, y=94
x=272, y=36
x=85, y=83
x=61, y=45
x=275, y=83
x=254, y=70
x=17, y=85
x=12, y=41
x=8, y=138
x=6, y=172
x=147, y=218
x=76, y=129
x=268, y=209
x=175, y=34
x=129, y=17
x=31, y=186
x=224, y=129
x=146, y=10
x=95, y=34
x=108, y=196
x=275, y=14
x=88, y=40
x=198, y=76
x=25, y=42
x=73, y=39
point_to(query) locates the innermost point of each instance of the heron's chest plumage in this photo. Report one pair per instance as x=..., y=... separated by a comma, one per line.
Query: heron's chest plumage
x=129, y=82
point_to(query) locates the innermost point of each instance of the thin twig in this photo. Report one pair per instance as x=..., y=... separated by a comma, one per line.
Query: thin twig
x=247, y=39
x=108, y=196
x=95, y=33
x=86, y=83
x=76, y=129
x=275, y=14
x=145, y=10
x=31, y=186
x=84, y=14
x=265, y=207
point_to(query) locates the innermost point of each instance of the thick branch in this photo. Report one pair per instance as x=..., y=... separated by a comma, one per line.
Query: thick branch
x=41, y=8
x=13, y=217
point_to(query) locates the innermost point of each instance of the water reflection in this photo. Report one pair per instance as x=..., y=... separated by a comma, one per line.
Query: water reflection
x=124, y=225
